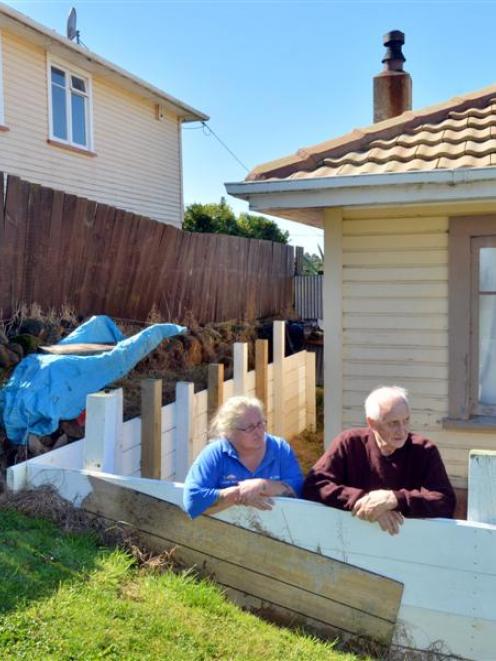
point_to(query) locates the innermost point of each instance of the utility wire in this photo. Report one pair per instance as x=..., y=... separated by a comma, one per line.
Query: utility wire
x=208, y=130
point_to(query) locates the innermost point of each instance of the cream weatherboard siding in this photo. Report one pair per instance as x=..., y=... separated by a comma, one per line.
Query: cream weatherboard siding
x=391, y=324
x=137, y=165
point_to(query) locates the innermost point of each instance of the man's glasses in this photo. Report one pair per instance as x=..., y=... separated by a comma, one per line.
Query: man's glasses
x=251, y=428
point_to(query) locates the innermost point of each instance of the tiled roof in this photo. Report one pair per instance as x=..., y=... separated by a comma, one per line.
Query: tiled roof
x=460, y=133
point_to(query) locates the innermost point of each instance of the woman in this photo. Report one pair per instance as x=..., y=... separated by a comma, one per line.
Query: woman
x=243, y=466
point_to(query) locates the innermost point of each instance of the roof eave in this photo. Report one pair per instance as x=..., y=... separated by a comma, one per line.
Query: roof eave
x=22, y=24
x=369, y=189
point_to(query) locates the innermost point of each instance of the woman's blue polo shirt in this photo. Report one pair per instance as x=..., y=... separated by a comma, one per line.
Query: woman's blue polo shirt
x=218, y=466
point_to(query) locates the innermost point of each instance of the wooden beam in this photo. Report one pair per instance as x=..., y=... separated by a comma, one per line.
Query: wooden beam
x=183, y=436
x=279, y=335
x=262, y=372
x=103, y=430
x=311, y=408
x=333, y=323
x=482, y=486
x=215, y=395
x=240, y=368
x=151, y=428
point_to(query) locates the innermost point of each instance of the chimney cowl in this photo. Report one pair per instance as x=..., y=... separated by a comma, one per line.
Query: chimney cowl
x=393, y=57
x=393, y=86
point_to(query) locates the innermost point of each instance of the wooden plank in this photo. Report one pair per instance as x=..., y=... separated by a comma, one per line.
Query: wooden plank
x=396, y=306
x=395, y=242
x=151, y=427
x=394, y=290
x=240, y=368
x=183, y=432
x=261, y=372
x=380, y=226
x=384, y=322
x=311, y=405
x=215, y=397
x=278, y=350
x=482, y=486
x=396, y=274
x=336, y=593
x=103, y=430
x=396, y=258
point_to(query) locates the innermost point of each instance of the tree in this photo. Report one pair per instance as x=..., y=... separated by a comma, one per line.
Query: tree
x=219, y=218
x=313, y=264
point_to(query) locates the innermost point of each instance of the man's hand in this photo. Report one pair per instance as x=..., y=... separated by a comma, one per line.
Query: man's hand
x=390, y=522
x=374, y=504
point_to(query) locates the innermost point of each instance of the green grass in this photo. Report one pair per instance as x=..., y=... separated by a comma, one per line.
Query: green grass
x=62, y=596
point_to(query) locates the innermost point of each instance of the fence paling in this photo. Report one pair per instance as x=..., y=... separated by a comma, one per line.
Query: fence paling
x=60, y=249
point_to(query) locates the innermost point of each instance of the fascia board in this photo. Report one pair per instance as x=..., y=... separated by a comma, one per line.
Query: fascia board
x=370, y=189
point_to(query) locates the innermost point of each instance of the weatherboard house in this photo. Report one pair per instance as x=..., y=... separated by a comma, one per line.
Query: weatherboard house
x=72, y=121
x=408, y=208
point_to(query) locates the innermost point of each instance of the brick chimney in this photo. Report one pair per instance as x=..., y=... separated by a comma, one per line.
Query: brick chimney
x=393, y=86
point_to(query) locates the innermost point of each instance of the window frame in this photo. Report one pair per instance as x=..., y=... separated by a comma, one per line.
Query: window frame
x=2, y=108
x=463, y=311
x=70, y=70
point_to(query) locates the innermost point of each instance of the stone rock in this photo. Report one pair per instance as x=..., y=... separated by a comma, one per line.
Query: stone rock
x=3, y=337
x=35, y=445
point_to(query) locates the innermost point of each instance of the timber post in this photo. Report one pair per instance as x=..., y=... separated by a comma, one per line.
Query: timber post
x=215, y=387
x=151, y=428
x=104, y=419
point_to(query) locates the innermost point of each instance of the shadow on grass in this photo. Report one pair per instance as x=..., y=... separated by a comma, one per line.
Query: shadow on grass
x=35, y=557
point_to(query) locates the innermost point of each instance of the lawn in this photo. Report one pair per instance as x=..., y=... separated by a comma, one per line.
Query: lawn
x=64, y=596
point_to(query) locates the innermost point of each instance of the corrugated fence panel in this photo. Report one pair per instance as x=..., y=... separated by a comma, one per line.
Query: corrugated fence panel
x=59, y=249
x=308, y=296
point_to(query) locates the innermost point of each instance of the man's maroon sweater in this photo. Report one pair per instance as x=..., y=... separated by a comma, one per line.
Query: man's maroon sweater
x=353, y=465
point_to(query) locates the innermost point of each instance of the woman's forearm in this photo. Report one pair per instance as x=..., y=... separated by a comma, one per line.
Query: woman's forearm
x=227, y=498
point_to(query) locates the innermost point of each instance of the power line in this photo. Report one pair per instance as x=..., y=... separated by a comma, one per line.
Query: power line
x=208, y=130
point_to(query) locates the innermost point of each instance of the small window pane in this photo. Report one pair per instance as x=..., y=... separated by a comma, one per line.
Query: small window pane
x=59, y=115
x=78, y=84
x=58, y=77
x=487, y=350
x=78, y=119
x=487, y=269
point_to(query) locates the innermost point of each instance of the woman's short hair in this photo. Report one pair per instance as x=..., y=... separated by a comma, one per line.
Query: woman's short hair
x=229, y=415
x=381, y=396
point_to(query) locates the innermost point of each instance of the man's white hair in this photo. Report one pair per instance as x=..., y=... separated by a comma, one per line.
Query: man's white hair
x=380, y=397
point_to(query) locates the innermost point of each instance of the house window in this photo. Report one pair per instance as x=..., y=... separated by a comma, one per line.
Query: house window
x=70, y=97
x=472, y=319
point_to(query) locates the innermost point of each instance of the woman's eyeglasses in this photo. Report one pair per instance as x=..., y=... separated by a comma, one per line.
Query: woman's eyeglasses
x=251, y=428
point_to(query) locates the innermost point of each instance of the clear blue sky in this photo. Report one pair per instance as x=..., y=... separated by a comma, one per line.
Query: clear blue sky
x=278, y=75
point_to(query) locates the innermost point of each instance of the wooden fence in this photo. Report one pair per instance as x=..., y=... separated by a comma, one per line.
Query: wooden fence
x=58, y=249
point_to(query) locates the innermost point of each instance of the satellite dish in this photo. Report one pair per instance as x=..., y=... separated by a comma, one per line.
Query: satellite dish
x=72, y=31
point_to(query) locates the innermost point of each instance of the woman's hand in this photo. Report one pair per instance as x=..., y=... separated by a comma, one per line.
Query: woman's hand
x=253, y=493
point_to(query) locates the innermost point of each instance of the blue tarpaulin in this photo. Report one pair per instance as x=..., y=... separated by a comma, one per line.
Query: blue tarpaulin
x=45, y=389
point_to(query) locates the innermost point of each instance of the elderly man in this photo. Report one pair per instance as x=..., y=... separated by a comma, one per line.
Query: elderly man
x=383, y=472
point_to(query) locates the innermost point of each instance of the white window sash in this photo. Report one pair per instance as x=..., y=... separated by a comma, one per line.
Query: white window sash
x=70, y=71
